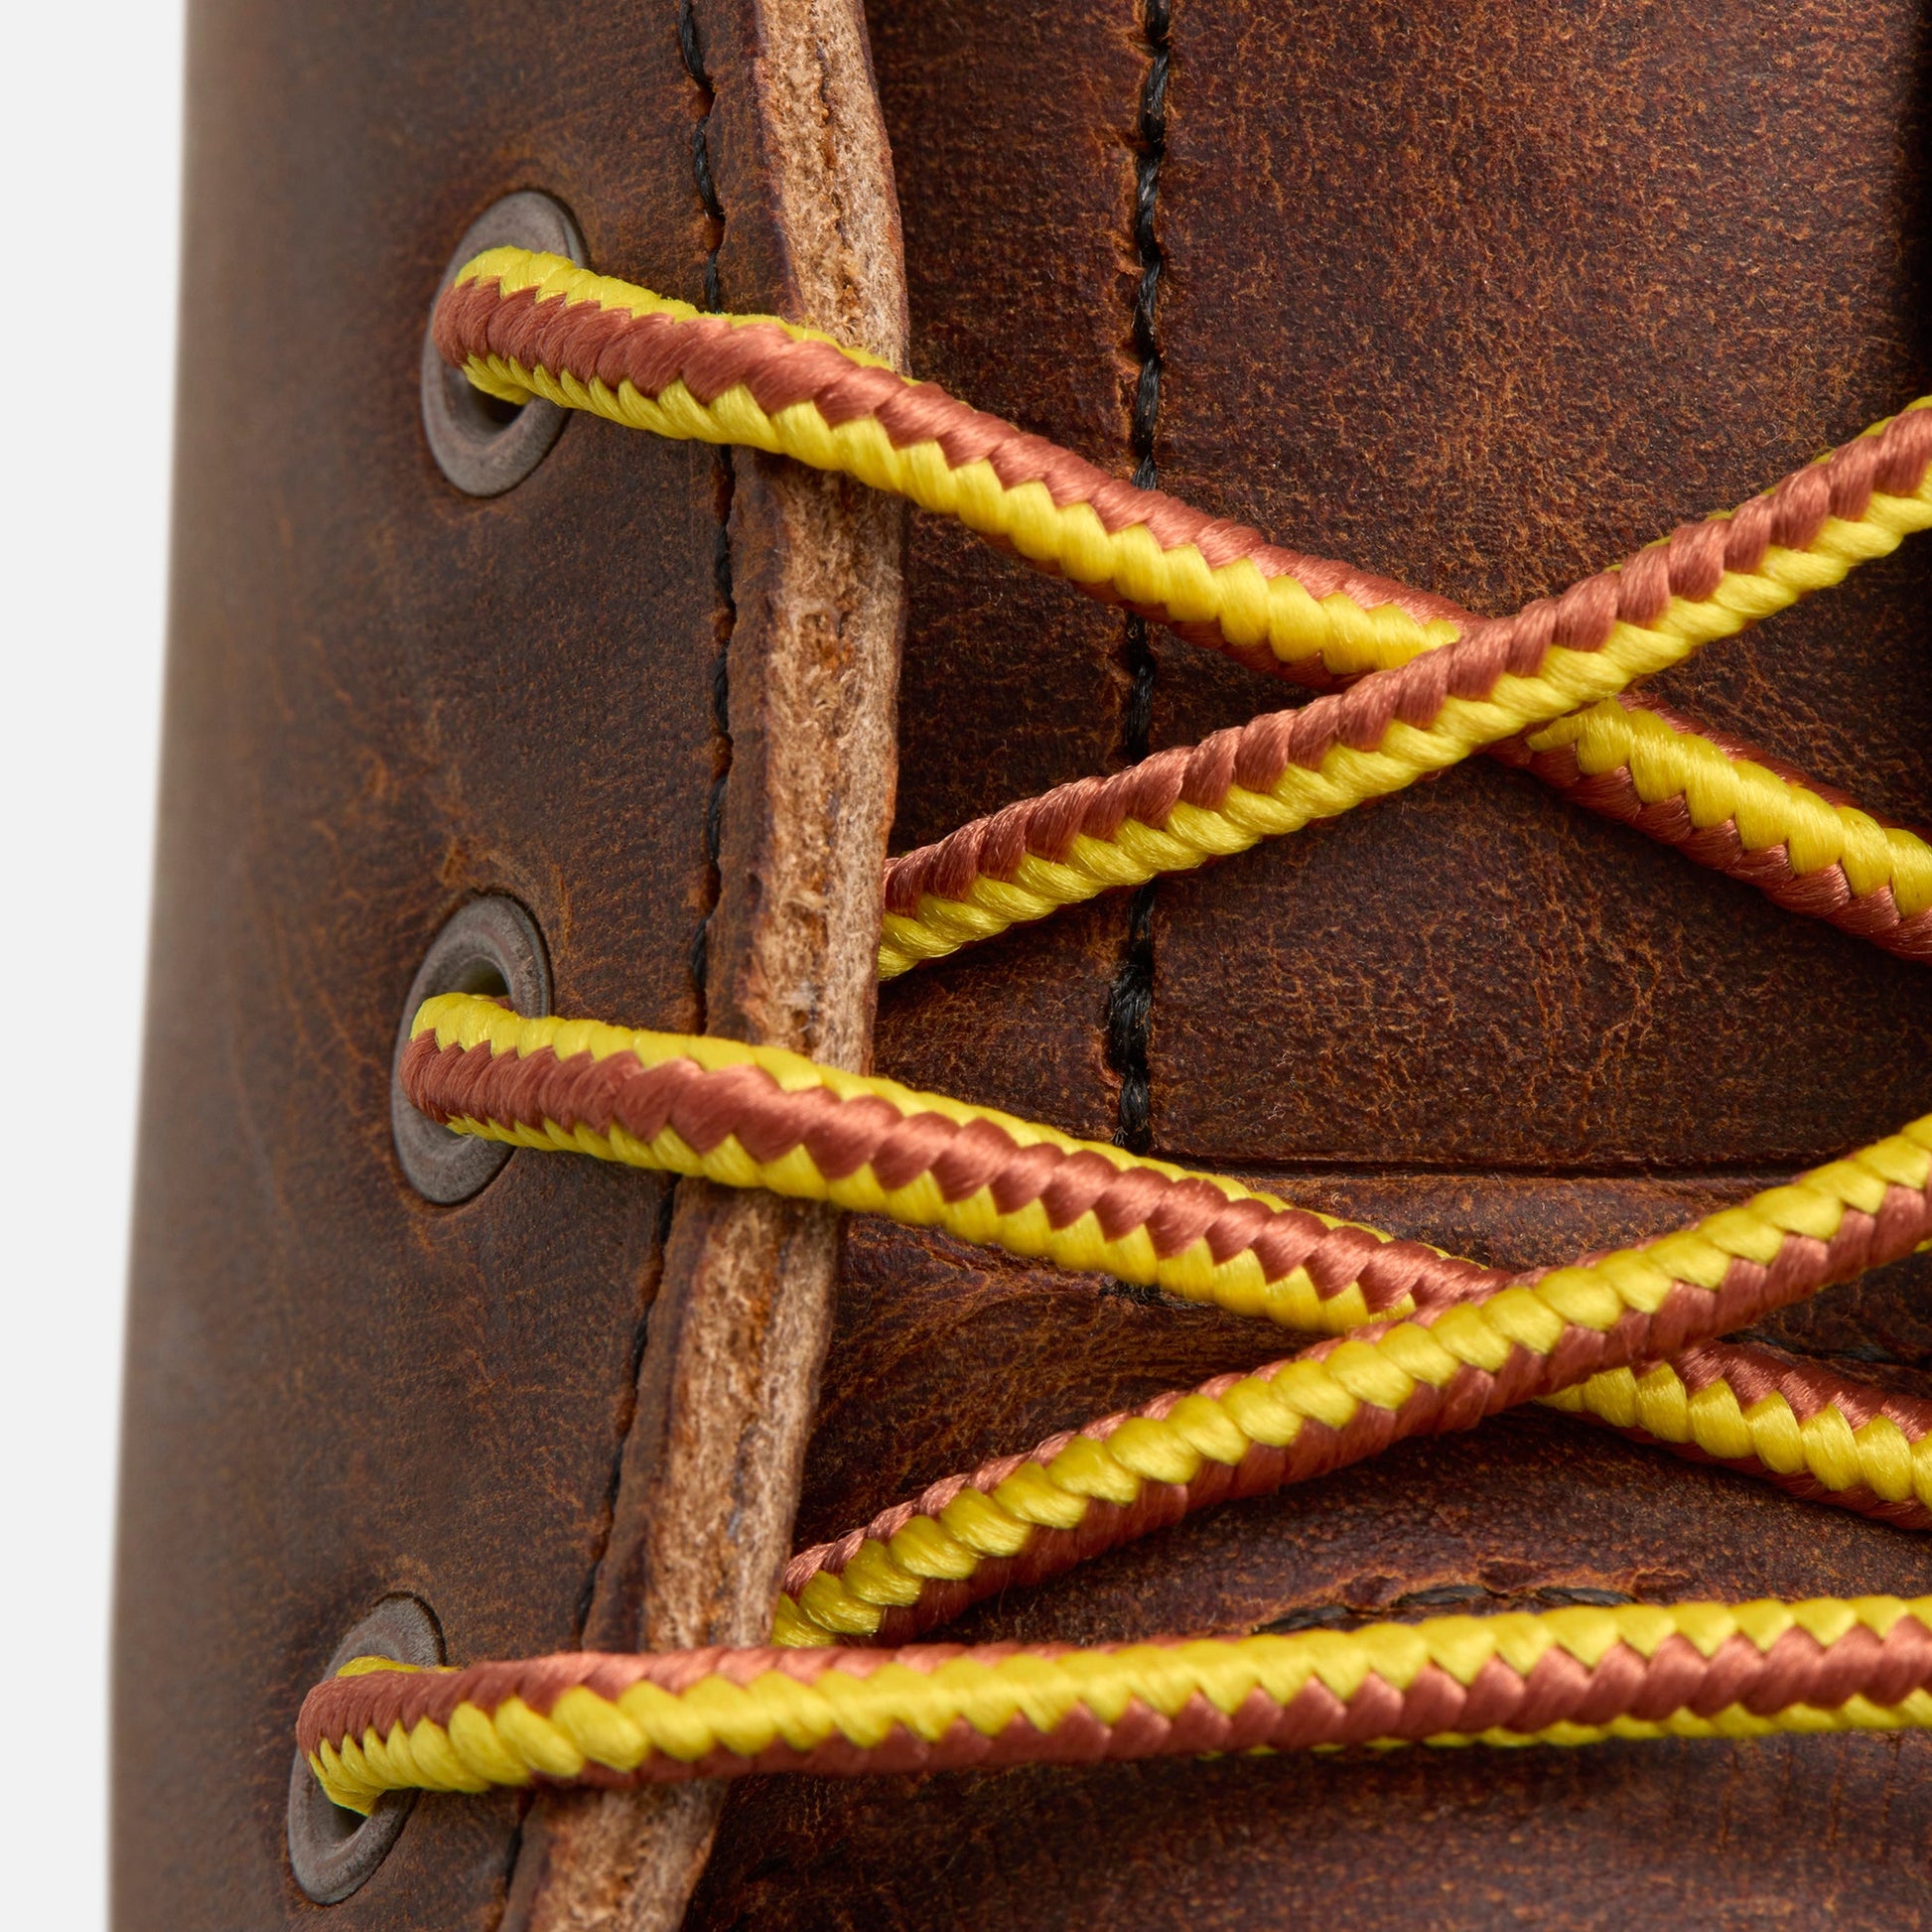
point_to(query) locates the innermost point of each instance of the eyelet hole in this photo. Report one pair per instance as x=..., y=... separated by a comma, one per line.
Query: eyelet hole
x=491, y=946
x=500, y=413
x=483, y=445
x=332, y=1852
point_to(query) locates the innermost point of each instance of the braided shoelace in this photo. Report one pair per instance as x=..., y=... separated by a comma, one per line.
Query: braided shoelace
x=1418, y=1340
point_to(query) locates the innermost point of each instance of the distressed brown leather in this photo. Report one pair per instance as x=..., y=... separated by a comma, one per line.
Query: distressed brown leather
x=383, y=697
x=1480, y=295
x=1477, y=295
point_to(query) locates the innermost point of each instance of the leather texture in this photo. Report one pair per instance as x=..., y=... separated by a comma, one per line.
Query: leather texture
x=336, y=1391
x=574, y=1406
x=1480, y=295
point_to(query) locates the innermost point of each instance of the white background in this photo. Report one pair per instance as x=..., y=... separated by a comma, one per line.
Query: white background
x=91, y=144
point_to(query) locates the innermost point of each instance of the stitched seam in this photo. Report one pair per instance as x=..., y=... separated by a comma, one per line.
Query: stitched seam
x=1130, y=999
x=723, y=484
x=1336, y=1613
x=723, y=618
x=691, y=50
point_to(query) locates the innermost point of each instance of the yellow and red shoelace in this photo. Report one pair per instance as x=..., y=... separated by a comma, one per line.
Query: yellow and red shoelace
x=1418, y=1340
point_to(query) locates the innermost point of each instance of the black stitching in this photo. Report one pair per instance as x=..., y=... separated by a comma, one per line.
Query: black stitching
x=1146, y=1296
x=723, y=484
x=1438, y=1598
x=1130, y=999
x=692, y=49
x=1137, y=713
x=1130, y=1005
x=1309, y=1616
x=639, y=1340
x=701, y=167
x=1152, y=141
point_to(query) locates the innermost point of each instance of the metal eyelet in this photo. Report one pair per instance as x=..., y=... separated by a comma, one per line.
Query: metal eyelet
x=333, y=1851
x=491, y=946
x=482, y=445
